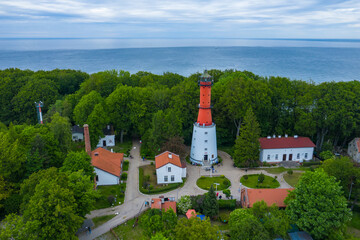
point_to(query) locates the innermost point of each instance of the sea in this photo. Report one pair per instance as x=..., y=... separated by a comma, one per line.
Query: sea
x=315, y=60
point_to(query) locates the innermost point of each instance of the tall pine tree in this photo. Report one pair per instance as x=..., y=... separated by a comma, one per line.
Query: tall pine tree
x=247, y=146
x=211, y=205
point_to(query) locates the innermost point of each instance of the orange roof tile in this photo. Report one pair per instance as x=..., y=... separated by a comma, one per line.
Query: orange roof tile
x=107, y=161
x=163, y=159
x=168, y=204
x=190, y=213
x=156, y=204
x=270, y=196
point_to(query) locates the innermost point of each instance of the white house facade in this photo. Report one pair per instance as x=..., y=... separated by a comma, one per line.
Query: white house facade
x=169, y=168
x=107, y=141
x=105, y=178
x=278, y=149
x=77, y=133
x=354, y=149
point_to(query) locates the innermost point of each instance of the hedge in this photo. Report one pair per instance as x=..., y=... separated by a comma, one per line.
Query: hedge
x=227, y=204
x=308, y=164
x=123, y=176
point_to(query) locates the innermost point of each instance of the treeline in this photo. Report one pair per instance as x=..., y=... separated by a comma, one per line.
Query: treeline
x=159, y=107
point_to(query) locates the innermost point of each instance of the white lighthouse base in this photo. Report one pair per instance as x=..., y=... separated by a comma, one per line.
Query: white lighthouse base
x=203, y=145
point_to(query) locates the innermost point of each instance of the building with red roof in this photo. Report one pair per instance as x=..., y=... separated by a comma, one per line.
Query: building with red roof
x=169, y=168
x=107, y=166
x=276, y=149
x=163, y=203
x=270, y=196
x=354, y=149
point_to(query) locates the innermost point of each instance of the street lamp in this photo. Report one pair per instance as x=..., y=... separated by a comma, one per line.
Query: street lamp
x=216, y=185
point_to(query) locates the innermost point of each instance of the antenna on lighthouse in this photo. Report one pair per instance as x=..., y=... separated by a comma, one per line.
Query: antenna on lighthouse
x=39, y=105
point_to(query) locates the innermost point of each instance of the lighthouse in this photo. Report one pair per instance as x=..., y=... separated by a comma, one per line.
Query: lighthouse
x=203, y=143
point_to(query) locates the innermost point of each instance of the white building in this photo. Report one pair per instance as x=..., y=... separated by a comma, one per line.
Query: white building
x=107, y=166
x=109, y=139
x=77, y=133
x=169, y=168
x=354, y=149
x=277, y=149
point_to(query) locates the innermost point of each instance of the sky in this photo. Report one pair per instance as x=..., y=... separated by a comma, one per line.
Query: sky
x=180, y=19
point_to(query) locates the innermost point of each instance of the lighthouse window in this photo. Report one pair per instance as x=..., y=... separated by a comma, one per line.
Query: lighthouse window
x=205, y=149
x=205, y=132
x=205, y=140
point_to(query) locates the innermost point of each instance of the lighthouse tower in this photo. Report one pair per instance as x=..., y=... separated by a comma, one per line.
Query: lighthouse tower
x=203, y=143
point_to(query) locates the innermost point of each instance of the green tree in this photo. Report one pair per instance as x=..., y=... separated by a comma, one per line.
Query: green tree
x=14, y=227
x=97, y=121
x=76, y=161
x=169, y=220
x=61, y=128
x=326, y=155
x=247, y=145
x=244, y=225
x=194, y=228
x=85, y=106
x=211, y=205
x=184, y=204
x=159, y=236
x=317, y=204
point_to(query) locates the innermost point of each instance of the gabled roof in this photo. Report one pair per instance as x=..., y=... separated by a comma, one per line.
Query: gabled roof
x=157, y=203
x=107, y=161
x=167, y=157
x=109, y=130
x=77, y=129
x=270, y=196
x=285, y=142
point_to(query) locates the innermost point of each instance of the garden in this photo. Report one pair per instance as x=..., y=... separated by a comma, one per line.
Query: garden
x=292, y=178
x=148, y=181
x=112, y=195
x=206, y=182
x=259, y=181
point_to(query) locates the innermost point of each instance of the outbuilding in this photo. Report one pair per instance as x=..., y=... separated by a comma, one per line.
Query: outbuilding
x=109, y=137
x=277, y=149
x=169, y=168
x=354, y=149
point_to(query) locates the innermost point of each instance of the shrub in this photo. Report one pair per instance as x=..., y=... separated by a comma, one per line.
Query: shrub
x=147, y=178
x=246, y=177
x=126, y=165
x=152, y=163
x=154, y=172
x=224, y=217
x=227, y=193
x=227, y=204
x=311, y=163
x=111, y=199
x=124, y=176
x=222, y=176
x=326, y=155
x=184, y=204
x=226, y=182
x=202, y=177
x=261, y=178
x=290, y=171
x=151, y=187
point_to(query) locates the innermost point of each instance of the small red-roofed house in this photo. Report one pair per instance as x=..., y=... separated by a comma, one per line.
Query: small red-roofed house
x=163, y=204
x=190, y=213
x=169, y=168
x=277, y=149
x=270, y=196
x=107, y=166
x=354, y=149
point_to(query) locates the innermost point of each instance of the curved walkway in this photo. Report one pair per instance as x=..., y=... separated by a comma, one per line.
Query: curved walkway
x=134, y=199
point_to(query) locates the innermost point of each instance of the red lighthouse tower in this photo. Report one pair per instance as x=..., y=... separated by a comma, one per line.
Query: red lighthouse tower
x=203, y=144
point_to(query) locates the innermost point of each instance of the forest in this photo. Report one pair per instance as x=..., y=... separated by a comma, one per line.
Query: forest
x=155, y=108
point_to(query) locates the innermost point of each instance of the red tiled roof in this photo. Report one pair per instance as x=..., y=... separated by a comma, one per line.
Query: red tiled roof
x=156, y=203
x=163, y=159
x=190, y=213
x=285, y=142
x=270, y=196
x=107, y=161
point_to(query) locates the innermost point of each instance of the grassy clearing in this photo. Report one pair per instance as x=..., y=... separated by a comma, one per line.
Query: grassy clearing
x=126, y=231
x=206, y=182
x=106, y=192
x=124, y=147
x=252, y=182
x=101, y=220
x=293, y=179
x=148, y=181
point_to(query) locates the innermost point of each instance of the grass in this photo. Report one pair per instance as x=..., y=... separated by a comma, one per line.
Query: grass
x=126, y=165
x=219, y=223
x=278, y=170
x=293, y=179
x=206, y=182
x=355, y=221
x=126, y=231
x=124, y=147
x=102, y=219
x=112, y=190
x=156, y=188
x=252, y=182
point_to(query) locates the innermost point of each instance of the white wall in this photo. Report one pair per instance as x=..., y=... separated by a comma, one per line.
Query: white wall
x=105, y=178
x=183, y=172
x=281, y=151
x=77, y=136
x=203, y=143
x=353, y=151
x=110, y=141
x=163, y=171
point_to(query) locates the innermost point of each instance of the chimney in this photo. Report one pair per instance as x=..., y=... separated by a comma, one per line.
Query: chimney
x=87, y=139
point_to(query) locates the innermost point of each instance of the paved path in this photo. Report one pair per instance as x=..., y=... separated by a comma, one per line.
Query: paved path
x=134, y=199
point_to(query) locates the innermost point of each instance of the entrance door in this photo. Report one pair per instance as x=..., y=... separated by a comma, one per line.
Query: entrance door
x=104, y=143
x=290, y=157
x=284, y=157
x=205, y=157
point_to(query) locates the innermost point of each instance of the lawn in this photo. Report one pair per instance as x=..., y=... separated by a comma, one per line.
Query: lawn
x=124, y=147
x=102, y=219
x=126, y=231
x=355, y=221
x=206, y=182
x=252, y=182
x=292, y=179
x=277, y=170
x=148, y=181
x=125, y=165
x=112, y=191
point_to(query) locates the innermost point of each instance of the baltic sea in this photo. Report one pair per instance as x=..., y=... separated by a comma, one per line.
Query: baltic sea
x=309, y=60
